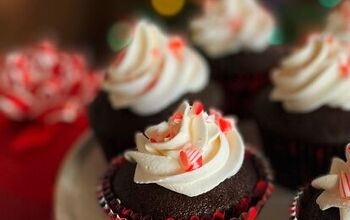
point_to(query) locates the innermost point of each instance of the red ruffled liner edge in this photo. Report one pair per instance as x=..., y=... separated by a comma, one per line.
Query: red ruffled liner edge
x=113, y=207
x=294, y=208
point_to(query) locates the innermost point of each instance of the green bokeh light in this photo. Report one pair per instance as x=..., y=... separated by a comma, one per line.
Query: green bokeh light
x=329, y=3
x=119, y=35
x=277, y=36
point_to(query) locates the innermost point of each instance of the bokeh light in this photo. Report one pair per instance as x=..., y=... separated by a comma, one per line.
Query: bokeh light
x=277, y=36
x=168, y=7
x=119, y=35
x=329, y=3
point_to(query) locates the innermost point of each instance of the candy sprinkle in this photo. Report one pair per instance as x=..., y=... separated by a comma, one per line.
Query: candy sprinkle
x=191, y=159
x=177, y=117
x=344, y=69
x=197, y=107
x=176, y=45
x=225, y=124
x=344, y=185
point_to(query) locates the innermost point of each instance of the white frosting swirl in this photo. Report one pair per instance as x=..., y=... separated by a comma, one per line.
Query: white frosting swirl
x=338, y=22
x=314, y=76
x=154, y=72
x=229, y=26
x=336, y=186
x=161, y=151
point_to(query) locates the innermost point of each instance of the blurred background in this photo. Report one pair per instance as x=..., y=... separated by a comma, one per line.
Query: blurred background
x=92, y=26
x=99, y=29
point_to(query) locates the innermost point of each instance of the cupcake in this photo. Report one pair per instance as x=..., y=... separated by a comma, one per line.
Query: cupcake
x=147, y=81
x=328, y=196
x=234, y=36
x=43, y=95
x=304, y=119
x=338, y=21
x=192, y=166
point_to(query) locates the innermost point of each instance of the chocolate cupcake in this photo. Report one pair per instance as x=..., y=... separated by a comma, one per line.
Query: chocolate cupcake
x=145, y=84
x=328, y=196
x=193, y=166
x=234, y=36
x=304, y=119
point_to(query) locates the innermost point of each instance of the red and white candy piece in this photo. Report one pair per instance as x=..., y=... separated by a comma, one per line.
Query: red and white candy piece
x=344, y=185
x=176, y=44
x=177, y=117
x=197, y=107
x=344, y=68
x=235, y=23
x=158, y=137
x=225, y=124
x=347, y=152
x=190, y=158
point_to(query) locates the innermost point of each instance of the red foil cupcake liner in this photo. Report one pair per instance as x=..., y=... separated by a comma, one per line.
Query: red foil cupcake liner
x=240, y=91
x=297, y=162
x=295, y=207
x=246, y=209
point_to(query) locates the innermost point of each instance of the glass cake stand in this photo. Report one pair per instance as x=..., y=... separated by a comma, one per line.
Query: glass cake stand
x=75, y=196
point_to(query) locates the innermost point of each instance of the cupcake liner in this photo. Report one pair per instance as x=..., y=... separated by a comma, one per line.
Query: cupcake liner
x=246, y=209
x=297, y=162
x=294, y=208
x=240, y=91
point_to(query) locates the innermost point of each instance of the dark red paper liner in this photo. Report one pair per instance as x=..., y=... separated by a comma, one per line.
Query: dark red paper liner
x=297, y=162
x=295, y=207
x=241, y=90
x=114, y=208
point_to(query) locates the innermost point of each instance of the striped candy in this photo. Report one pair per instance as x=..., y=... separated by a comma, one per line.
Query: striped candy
x=347, y=152
x=344, y=185
x=177, y=117
x=191, y=159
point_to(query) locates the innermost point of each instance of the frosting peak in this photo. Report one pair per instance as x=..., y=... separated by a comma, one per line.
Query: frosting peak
x=315, y=75
x=154, y=71
x=191, y=153
x=338, y=21
x=336, y=186
x=228, y=26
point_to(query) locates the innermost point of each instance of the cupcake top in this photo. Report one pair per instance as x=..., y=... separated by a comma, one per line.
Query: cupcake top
x=336, y=186
x=154, y=71
x=229, y=26
x=315, y=75
x=43, y=83
x=191, y=153
x=338, y=21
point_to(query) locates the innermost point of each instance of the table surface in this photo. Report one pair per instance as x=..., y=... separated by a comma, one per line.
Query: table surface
x=75, y=196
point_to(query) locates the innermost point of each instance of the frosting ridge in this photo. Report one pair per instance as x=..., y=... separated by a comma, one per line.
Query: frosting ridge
x=154, y=71
x=315, y=75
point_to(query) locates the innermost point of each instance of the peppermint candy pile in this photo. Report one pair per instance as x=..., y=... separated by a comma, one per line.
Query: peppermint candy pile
x=43, y=83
